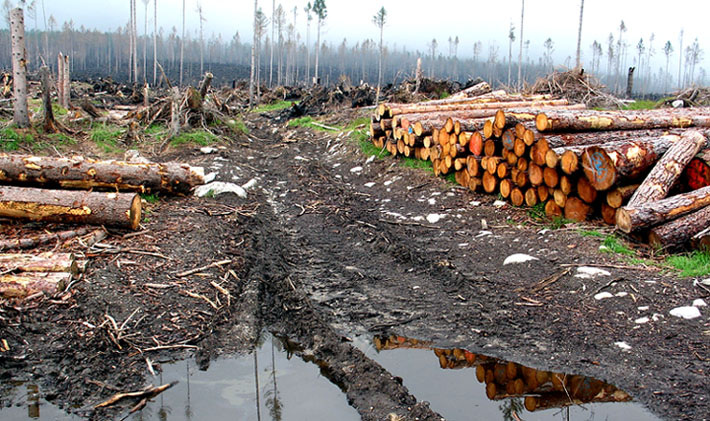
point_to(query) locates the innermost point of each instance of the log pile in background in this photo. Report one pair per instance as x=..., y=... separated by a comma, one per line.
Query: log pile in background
x=576, y=163
x=22, y=275
x=505, y=379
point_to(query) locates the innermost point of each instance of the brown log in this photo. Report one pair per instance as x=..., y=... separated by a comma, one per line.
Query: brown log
x=605, y=165
x=521, y=179
x=76, y=207
x=519, y=147
x=668, y=168
x=42, y=262
x=559, y=197
x=492, y=148
x=569, y=161
x=531, y=198
x=503, y=170
x=697, y=172
x=608, y=214
x=517, y=197
x=551, y=177
x=473, y=164
x=490, y=182
x=586, y=120
x=49, y=123
x=492, y=164
x=512, y=116
x=29, y=283
x=475, y=184
x=585, y=190
x=535, y=174
x=576, y=209
x=462, y=178
x=508, y=139
x=522, y=164
x=34, y=241
x=543, y=193
x=679, y=231
x=551, y=158
x=84, y=173
x=387, y=110
x=474, y=91
x=567, y=184
x=475, y=143
x=552, y=210
x=506, y=186
x=616, y=197
x=630, y=219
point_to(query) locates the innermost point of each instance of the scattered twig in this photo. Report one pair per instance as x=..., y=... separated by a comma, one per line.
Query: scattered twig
x=551, y=280
x=162, y=347
x=201, y=268
x=646, y=268
x=416, y=224
x=202, y=297
x=147, y=393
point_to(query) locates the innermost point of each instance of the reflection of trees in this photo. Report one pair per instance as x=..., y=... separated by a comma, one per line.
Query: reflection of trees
x=511, y=408
x=273, y=400
x=188, y=409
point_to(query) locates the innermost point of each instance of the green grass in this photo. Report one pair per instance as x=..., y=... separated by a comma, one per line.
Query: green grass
x=537, y=212
x=274, y=106
x=444, y=95
x=368, y=149
x=195, y=137
x=613, y=245
x=62, y=139
x=694, y=264
x=362, y=121
x=237, y=126
x=11, y=139
x=592, y=233
x=151, y=198
x=558, y=222
x=58, y=110
x=641, y=105
x=419, y=164
x=106, y=138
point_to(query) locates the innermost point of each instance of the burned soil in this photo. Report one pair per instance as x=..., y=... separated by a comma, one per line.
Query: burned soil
x=329, y=244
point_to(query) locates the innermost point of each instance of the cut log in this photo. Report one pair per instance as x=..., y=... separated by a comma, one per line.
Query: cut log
x=605, y=165
x=552, y=210
x=517, y=197
x=490, y=182
x=585, y=120
x=34, y=241
x=585, y=191
x=608, y=214
x=679, y=231
x=576, y=209
x=668, y=168
x=560, y=140
x=630, y=219
x=83, y=173
x=616, y=197
x=559, y=197
x=473, y=91
x=506, y=186
x=550, y=177
x=29, y=283
x=531, y=198
x=74, y=207
x=543, y=193
x=473, y=164
x=535, y=173
x=43, y=262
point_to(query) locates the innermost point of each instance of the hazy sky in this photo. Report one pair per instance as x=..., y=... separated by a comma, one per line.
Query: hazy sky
x=415, y=23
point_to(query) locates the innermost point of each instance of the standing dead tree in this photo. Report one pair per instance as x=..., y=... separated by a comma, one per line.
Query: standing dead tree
x=379, y=20
x=19, y=68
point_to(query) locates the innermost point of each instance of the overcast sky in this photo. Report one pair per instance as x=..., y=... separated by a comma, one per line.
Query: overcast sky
x=415, y=23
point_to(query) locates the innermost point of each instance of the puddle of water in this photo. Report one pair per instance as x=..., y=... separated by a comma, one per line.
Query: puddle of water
x=288, y=389
x=461, y=385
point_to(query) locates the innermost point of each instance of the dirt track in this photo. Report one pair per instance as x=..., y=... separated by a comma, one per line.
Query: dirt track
x=320, y=254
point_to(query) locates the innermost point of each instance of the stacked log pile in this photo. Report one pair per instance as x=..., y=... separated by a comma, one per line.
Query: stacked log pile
x=576, y=163
x=23, y=275
x=505, y=379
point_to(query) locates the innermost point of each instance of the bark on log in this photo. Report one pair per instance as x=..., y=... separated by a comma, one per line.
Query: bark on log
x=559, y=140
x=42, y=262
x=677, y=232
x=605, y=165
x=384, y=110
x=630, y=219
x=29, y=242
x=585, y=120
x=83, y=173
x=427, y=107
x=49, y=124
x=26, y=284
x=512, y=116
x=75, y=207
x=473, y=91
x=668, y=168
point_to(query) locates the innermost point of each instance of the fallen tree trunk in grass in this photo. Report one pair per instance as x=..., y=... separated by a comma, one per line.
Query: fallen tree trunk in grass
x=578, y=120
x=679, y=231
x=84, y=173
x=73, y=207
x=26, y=284
x=43, y=262
x=668, y=168
x=605, y=165
x=630, y=219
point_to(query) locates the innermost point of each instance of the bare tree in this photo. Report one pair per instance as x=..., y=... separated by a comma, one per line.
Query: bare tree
x=477, y=49
x=511, y=39
x=271, y=44
x=579, y=35
x=280, y=17
x=680, y=61
x=667, y=50
x=202, y=39
x=321, y=11
x=619, y=53
x=549, y=49
x=432, y=48
x=641, y=48
x=379, y=20
x=693, y=56
x=145, y=42
x=309, y=18
x=155, y=42
x=520, y=53
x=182, y=44
x=650, y=52
x=21, y=115
x=252, y=76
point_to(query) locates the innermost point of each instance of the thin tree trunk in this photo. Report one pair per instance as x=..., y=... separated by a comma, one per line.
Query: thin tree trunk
x=155, y=42
x=271, y=44
x=579, y=35
x=182, y=43
x=520, y=53
x=317, y=51
x=19, y=68
x=252, y=76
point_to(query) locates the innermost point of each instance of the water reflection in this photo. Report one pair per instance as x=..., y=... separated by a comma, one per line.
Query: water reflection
x=25, y=401
x=515, y=387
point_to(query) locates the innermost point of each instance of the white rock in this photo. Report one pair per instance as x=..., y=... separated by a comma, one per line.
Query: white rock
x=705, y=282
x=249, y=184
x=641, y=320
x=603, y=248
x=356, y=169
x=210, y=177
x=219, y=187
x=208, y=150
x=623, y=345
x=474, y=203
x=518, y=258
x=592, y=271
x=543, y=231
x=687, y=312
x=644, y=308
x=499, y=204
x=483, y=234
x=622, y=294
x=432, y=201
x=656, y=317
x=484, y=224
x=433, y=218
x=678, y=103
x=699, y=303
x=370, y=159
x=370, y=184
x=603, y=295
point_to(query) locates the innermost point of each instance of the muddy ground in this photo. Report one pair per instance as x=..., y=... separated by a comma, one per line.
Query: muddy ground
x=330, y=244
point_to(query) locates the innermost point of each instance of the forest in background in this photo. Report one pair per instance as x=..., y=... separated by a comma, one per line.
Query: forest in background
x=287, y=35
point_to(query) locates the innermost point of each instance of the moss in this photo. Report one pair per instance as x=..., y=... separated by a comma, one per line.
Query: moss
x=694, y=264
x=195, y=137
x=11, y=139
x=106, y=137
x=274, y=106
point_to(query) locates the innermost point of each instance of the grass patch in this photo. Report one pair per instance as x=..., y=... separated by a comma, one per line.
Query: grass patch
x=274, y=106
x=558, y=222
x=419, y=164
x=368, y=149
x=643, y=104
x=694, y=264
x=62, y=139
x=362, y=121
x=237, y=126
x=151, y=198
x=444, y=95
x=195, y=137
x=592, y=233
x=106, y=138
x=537, y=212
x=613, y=245
x=11, y=139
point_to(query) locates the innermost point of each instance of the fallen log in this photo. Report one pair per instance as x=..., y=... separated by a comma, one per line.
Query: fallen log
x=616, y=197
x=29, y=283
x=34, y=241
x=668, y=168
x=679, y=231
x=630, y=219
x=585, y=120
x=605, y=165
x=74, y=207
x=576, y=209
x=83, y=173
x=43, y=262
x=473, y=91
